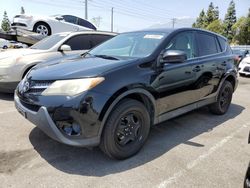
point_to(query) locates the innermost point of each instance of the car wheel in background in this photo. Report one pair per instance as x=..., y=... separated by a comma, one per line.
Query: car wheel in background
x=126, y=129
x=42, y=28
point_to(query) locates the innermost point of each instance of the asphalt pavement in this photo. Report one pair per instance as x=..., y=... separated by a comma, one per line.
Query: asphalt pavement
x=197, y=149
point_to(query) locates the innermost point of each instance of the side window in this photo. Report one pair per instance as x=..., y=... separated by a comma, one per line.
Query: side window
x=207, y=44
x=184, y=42
x=70, y=19
x=80, y=42
x=98, y=39
x=223, y=43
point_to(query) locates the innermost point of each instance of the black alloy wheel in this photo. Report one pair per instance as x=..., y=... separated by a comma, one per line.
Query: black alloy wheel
x=126, y=129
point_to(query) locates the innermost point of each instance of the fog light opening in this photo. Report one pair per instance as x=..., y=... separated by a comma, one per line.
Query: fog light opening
x=70, y=129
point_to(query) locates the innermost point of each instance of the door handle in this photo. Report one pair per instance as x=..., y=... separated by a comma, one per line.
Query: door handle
x=197, y=69
x=187, y=72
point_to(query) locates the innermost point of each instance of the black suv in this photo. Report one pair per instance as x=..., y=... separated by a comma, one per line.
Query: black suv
x=112, y=95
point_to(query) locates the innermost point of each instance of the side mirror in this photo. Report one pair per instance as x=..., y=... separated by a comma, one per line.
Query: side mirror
x=173, y=56
x=59, y=18
x=64, y=48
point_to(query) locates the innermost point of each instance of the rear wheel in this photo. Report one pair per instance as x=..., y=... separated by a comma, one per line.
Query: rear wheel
x=42, y=28
x=224, y=99
x=126, y=129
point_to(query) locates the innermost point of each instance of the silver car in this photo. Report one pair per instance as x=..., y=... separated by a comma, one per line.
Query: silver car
x=14, y=64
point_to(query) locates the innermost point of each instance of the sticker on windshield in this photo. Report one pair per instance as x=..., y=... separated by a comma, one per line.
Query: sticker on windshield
x=153, y=37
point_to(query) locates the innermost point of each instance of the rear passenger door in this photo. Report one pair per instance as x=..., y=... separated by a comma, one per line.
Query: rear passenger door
x=211, y=64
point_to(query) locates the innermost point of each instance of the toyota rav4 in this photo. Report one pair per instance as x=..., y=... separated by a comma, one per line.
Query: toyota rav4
x=112, y=95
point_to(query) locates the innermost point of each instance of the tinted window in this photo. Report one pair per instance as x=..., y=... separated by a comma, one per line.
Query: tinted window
x=207, y=44
x=184, y=42
x=80, y=42
x=98, y=39
x=85, y=23
x=223, y=43
x=70, y=19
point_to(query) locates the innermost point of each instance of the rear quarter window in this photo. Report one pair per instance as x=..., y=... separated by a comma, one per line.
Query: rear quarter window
x=223, y=44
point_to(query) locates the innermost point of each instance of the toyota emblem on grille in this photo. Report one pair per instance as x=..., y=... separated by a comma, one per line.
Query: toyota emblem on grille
x=26, y=86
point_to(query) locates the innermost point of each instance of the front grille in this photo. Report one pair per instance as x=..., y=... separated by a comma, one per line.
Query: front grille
x=38, y=86
x=246, y=69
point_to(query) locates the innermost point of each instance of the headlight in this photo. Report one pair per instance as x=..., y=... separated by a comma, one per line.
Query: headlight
x=72, y=87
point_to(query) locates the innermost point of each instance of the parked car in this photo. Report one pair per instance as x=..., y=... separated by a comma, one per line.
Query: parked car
x=14, y=64
x=247, y=177
x=112, y=96
x=239, y=55
x=244, y=67
x=52, y=24
x=5, y=44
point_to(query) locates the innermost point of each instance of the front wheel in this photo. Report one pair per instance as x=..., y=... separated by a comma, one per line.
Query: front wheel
x=126, y=129
x=224, y=99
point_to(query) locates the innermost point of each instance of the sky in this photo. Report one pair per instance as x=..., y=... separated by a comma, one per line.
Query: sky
x=128, y=14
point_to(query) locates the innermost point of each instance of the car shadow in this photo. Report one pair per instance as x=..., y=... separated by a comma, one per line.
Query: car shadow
x=162, y=138
x=7, y=96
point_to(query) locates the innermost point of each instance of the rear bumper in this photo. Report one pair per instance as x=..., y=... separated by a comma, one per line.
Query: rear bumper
x=43, y=121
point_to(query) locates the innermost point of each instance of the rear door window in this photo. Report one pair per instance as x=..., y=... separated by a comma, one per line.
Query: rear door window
x=207, y=44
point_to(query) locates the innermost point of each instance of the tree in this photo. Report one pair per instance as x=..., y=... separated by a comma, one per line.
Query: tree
x=22, y=10
x=242, y=30
x=96, y=21
x=212, y=13
x=5, y=22
x=229, y=21
x=201, y=20
x=216, y=26
x=216, y=13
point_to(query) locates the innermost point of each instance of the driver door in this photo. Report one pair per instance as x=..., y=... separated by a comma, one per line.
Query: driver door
x=174, y=81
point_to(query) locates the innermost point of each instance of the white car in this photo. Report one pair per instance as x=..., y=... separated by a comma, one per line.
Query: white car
x=51, y=24
x=14, y=64
x=4, y=44
x=244, y=67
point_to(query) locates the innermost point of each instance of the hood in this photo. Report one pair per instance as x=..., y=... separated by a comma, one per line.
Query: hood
x=76, y=68
x=18, y=52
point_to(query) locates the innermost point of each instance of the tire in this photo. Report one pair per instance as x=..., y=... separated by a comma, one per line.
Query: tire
x=126, y=129
x=224, y=99
x=42, y=28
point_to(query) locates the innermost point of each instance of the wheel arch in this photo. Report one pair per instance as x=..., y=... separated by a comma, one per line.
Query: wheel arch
x=42, y=22
x=139, y=94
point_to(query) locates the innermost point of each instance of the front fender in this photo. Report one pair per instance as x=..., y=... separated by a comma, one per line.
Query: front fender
x=122, y=96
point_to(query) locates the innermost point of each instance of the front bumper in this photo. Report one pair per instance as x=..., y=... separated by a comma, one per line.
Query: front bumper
x=244, y=70
x=22, y=23
x=42, y=120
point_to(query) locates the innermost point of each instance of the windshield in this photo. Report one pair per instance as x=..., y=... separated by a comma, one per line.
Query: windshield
x=139, y=44
x=48, y=42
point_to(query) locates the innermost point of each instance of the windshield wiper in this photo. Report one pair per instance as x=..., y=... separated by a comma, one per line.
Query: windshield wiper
x=85, y=54
x=107, y=57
